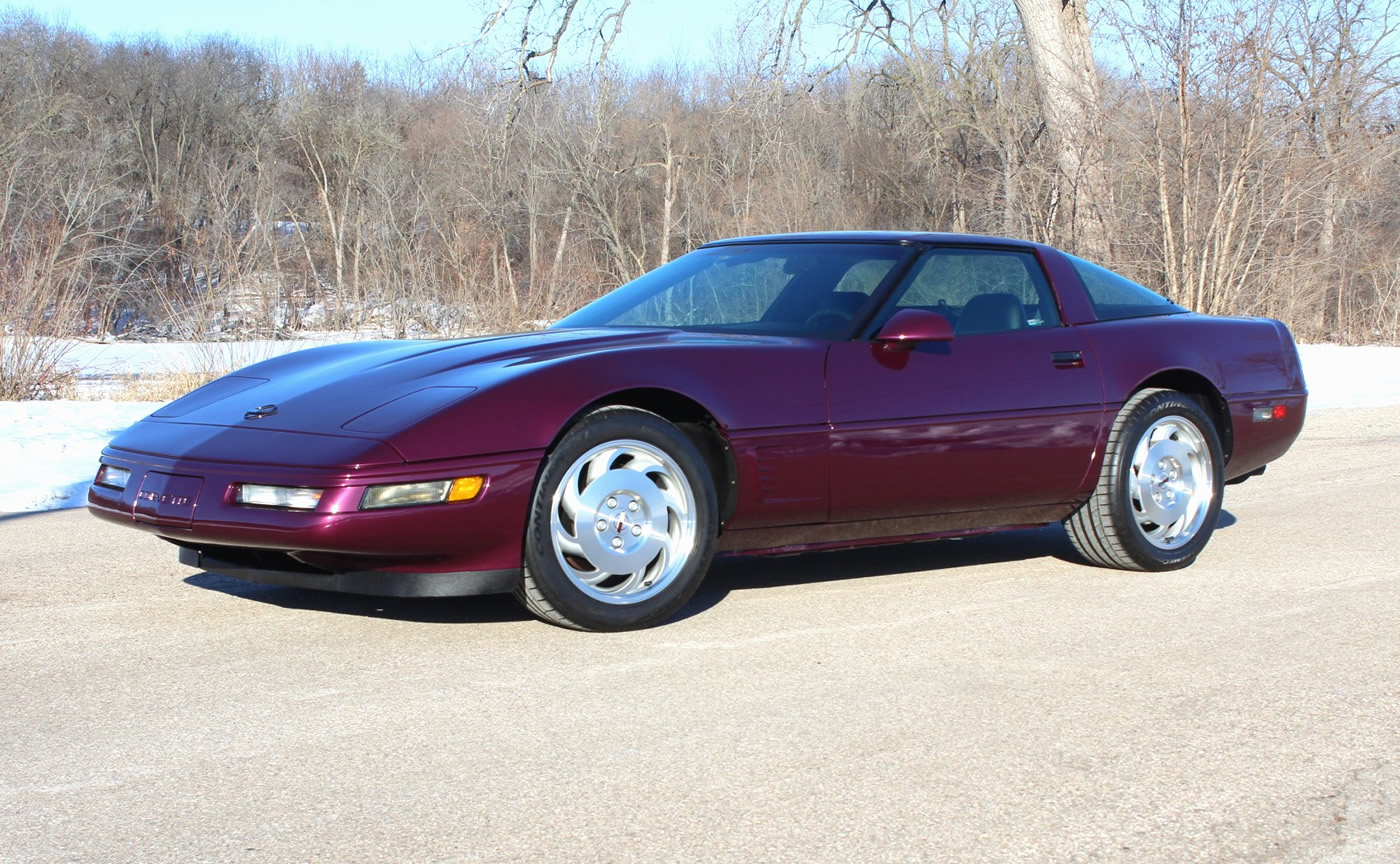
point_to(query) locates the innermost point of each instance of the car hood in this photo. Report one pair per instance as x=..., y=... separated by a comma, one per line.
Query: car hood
x=377, y=390
x=343, y=388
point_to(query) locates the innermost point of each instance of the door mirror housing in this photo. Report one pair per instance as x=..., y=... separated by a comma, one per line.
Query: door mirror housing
x=909, y=327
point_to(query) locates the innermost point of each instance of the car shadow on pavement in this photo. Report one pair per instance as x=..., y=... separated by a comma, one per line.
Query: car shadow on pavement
x=484, y=609
x=728, y=573
x=742, y=572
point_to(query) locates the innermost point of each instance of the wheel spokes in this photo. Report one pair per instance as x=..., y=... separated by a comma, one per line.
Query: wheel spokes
x=1171, y=484
x=598, y=465
x=623, y=524
x=569, y=500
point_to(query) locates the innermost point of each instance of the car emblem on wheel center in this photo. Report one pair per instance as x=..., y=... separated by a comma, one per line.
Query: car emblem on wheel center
x=260, y=412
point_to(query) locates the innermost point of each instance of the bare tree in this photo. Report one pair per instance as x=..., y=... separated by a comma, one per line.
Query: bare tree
x=1057, y=32
x=1338, y=61
x=1250, y=157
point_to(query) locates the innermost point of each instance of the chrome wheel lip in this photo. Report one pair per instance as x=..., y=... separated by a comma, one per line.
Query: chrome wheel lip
x=1171, y=482
x=622, y=522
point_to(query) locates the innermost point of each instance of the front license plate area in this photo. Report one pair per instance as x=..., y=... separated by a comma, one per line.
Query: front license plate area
x=167, y=499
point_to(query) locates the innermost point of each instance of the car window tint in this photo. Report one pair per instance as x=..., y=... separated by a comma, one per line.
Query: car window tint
x=865, y=276
x=980, y=290
x=1115, y=296
x=729, y=295
x=805, y=289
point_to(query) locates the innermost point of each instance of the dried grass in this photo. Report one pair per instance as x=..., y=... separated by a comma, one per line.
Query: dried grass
x=165, y=387
x=38, y=305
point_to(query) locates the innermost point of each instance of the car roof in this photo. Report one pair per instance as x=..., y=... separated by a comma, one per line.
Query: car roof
x=919, y=238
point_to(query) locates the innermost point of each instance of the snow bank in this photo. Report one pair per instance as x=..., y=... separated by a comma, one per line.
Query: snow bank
x=100, y=364
x=103, y=359
x=50, y=449
x=1341, y=376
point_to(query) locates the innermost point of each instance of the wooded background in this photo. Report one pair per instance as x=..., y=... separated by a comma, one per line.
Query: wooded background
x=1240, y=158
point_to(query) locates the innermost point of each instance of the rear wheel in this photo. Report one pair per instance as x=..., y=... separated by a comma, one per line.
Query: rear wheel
x=1158, y=496
x=622, y=527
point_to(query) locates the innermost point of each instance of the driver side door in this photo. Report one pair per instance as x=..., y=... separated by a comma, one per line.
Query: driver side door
x=1002, y=417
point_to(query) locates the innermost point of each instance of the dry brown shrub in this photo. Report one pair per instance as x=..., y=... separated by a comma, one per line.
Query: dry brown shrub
x=37, y=309
x=161, y=387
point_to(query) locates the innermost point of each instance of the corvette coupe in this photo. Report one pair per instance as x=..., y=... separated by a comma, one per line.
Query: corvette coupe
x=759, y=395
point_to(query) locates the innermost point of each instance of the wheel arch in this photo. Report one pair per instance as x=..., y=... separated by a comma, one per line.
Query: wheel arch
x=1200, y=387
x=692, y=418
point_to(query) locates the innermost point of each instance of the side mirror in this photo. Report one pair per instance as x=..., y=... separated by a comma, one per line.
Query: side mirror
x=909, y=327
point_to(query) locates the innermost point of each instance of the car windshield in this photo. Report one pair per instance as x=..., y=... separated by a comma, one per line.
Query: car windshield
x=819, y=290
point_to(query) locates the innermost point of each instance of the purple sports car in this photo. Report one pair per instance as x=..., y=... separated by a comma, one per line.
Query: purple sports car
x=763, y=394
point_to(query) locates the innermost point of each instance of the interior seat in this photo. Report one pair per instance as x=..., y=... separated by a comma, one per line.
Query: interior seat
x=992, y=313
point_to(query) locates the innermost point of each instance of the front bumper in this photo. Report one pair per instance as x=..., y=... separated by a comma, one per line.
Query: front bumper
x=462, y=547
x=374, y=582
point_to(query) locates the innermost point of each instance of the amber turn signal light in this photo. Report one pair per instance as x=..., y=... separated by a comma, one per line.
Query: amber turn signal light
x=429, y=492
x=465, y=488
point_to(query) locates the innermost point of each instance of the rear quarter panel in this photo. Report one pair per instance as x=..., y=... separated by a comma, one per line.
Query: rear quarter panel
x=1250, y=362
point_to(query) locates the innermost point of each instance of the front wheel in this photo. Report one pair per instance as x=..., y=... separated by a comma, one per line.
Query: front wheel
x=1158, y=496
x=622, y=526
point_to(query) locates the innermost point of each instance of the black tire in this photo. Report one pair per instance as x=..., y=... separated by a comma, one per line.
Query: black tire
x=1114, y=528
x=611, y=547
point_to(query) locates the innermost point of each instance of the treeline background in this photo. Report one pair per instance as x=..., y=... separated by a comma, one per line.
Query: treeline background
x=213, y=188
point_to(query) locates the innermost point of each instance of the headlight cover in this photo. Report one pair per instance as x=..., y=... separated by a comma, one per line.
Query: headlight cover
x=430, y=492
x=282, y=497
x=113, y=477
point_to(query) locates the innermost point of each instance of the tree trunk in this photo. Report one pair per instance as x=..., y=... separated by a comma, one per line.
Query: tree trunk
x=1057, y=32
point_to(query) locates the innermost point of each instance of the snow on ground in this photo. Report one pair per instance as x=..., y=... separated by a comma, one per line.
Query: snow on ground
x=100, y=363
x=1343, y=376
x=49, y=450
x=94, y=359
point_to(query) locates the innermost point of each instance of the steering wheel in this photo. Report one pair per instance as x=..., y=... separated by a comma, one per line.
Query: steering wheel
x=825, y=318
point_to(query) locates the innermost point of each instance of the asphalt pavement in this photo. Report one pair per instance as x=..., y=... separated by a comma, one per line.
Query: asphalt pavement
x=985, y=699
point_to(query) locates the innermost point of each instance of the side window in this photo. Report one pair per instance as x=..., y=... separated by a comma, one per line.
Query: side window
x=1116, y=297
x=980, y=290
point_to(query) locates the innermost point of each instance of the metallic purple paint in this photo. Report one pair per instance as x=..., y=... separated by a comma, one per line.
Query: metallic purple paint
x=814, y=443
x=908, y=327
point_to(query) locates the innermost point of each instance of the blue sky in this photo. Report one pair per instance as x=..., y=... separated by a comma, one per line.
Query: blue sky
x=654, y=30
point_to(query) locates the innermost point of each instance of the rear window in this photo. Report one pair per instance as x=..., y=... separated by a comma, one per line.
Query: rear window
x=1115, y=297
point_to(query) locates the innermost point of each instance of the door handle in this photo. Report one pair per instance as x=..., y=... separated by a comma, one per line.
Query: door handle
x=1067, y=359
